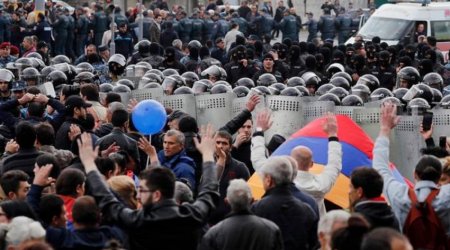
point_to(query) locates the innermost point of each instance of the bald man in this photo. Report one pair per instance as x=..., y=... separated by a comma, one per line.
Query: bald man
x=319, y=185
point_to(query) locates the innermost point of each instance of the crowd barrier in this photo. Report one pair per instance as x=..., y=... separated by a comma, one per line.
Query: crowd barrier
x=289, y=114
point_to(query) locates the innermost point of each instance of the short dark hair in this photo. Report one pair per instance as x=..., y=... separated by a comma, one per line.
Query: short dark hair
x=226, y=135
x=369, y=180
x=381, y=238
x=89, y=122
x=69, y=180
x=105, y=165
x=85, y=211
x=112, y=97
x=25, y=135
x=45, y=134
x=14, y=208
x=431, y=40
x=160, y=178
x=36, y=109
x=10, y=181
x=69, y=90
x=90, y=91
x=429, y=168
x=119, y=118
x=47, y=158
x=49, y=207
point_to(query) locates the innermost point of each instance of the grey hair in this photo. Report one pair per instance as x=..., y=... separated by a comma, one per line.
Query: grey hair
x=179, y=136
x=239, y=195
x=116, y=106
x=177, y=43
x=183, y=193
x=293, y=166
x=327, y=221
x=279, y=168
x=23, y=228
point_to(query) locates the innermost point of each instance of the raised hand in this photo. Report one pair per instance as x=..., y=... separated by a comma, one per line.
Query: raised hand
x=252, y=102
x=42, y=175
x=113, y=148
x=330, y=125
x=207, y=145
x=263, y=120
x=86, y=152
x=388, y=118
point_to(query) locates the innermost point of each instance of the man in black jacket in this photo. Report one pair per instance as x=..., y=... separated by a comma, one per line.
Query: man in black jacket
x=366, y=186
x=161, y=223
x=242, y=229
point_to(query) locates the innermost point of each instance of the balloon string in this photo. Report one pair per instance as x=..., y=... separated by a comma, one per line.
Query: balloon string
x=148, y=157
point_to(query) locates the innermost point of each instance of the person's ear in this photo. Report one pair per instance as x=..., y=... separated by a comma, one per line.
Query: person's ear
x=157, y=196
x=12, y=195
x=226, y=201
x=360, y=192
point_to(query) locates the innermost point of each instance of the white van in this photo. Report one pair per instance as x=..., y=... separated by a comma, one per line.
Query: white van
x=397, y=23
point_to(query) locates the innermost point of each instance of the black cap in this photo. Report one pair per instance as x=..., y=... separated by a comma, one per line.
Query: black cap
x=75, y=101
x=41, y=44
x=268, y=55
x=275, y=142
x=176, y=114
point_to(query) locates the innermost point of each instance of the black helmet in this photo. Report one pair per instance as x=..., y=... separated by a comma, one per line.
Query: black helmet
x=190, y=77
x=400, y=92
x=409, y=74
x=121, y=89
x=152, y=85
x=303, y=90
x=362, y=91
x=126, y=82
x=223, y=82
x=262, y=90
x=30, y=74
x=266, y=79
x=170, y=72
x=37, y=63
x=215, y=71
x=346, y=75
x=84, y=67
x=380, y=94
x=241, y=91
x=311, y=78
x=290, y=91
x=419, y=91
x=59, y=59
x=34, y=55
x=194, y=44
x=340, y=81
x=156, y=71
x=418, y=103
x=276, y=88
x=352, y=100
x=322, y=90
x=445, y=102
x=437, y=95
x=143, y=47
x=179, y=79
x=201, y=87
x=152, y=77
x=295, y=81
x=85, y=77
x=47, y=70
x=434, y=80
x=339, y=92
x=220, y=89
x=67, y=69
x=183, y=90
x=370, y=81
x=330, y=97
x=57, y=77
x=170, y=84
x=394, y=100
x=247, y=82
x=23, y=63
x=106, y=87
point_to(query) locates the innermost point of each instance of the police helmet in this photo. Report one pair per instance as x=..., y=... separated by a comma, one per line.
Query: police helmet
x=118, y=59
x=127, y=83
x=190, y=77
x=394, y=100
x=311, y=79
x=410, y=75
x=380, y=94
x=141, y=68
x=143, y=47
x=85, y=77
x=23, y=63
x=339, y=92
x=152, y=77
x=152, y=85
x=6, y=76
x=194, y=44
x=106, y=87
x=121, y=89
x=241, y=91
x=419, y=91
x=201, y=87
x=290, y=91
x=352, y=100
x=220, y=89
x=37, y=63
x=247, y=82
x=399, y=93
x=170, y=84
x=84, y=67
x=30, y=74
x=179, y=79
x=183, y=90
x=303, y=90
x=322, y=90
x=331, y=98
x=345, y=75
x=57, y=77
x=214, y=71
x=445, y=102
x=437, y=95
x=156, y=71
x=34, y=55
x=418, y=103
x=60, y=59
x=370, y=81
x=47, y=70
x=266, y=79
x=434, y=80
x=334, y=68
x=262, y=90
x=276, y=88
x=295, y=81
x=65, y=67
x=340, y=82
x=170, y=72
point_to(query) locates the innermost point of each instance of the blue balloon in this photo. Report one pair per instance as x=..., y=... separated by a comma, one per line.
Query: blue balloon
x=149, y=117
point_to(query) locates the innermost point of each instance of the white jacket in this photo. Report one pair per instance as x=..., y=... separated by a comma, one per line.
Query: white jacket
x=319, y=185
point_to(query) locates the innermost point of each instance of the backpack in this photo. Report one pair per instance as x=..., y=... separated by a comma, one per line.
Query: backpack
x=422, y=225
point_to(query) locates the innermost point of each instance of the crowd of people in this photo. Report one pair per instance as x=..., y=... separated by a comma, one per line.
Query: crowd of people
x=75, y=173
